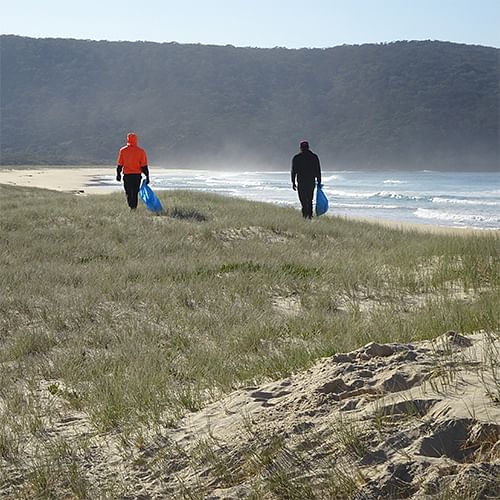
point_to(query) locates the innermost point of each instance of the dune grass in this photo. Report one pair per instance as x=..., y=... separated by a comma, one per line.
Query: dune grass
x=134, y=319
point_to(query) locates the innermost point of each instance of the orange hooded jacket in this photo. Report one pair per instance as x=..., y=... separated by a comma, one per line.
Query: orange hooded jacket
x=131, y=157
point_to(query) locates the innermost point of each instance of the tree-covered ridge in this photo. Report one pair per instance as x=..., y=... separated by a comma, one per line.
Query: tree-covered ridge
x=405, y=104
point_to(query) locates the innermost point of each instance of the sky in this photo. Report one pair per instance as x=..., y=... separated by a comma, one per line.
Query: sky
x=256, y=23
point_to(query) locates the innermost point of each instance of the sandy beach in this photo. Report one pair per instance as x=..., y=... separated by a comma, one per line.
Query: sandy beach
x=384, y=421
x=81, y=180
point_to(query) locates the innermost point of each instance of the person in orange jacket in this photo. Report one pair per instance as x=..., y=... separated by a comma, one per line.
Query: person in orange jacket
x=132, y=161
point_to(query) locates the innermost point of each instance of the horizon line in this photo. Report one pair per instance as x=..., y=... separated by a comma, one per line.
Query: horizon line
x=173, y=42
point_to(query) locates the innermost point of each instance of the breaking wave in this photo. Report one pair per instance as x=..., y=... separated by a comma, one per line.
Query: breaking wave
x=366, y=205
x=426, y=213
x=394, y=181
x=458, y=201
x=398, y=196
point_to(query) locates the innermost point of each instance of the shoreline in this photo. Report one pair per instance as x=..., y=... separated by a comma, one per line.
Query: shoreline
x=84, y=180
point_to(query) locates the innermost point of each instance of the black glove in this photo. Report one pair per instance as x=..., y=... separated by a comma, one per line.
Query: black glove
x=145, y=171
x=118, y=177
x=294, y=187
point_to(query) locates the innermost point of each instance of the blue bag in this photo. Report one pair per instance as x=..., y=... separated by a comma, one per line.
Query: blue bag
x=321, y=200
x=149, y=198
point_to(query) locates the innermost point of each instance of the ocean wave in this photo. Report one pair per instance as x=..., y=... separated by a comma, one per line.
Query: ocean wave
x=374, y=195
x=365, y=206
x=458, y=201
x=394, y=181
x=267, y=172
x=346, y=194
x=426, y=213
x=398, y=196
x=331, y=178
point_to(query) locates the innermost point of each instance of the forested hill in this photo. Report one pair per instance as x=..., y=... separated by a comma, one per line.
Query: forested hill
x=401, y=105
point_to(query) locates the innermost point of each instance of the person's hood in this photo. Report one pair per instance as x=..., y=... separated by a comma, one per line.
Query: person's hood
x=132, y=139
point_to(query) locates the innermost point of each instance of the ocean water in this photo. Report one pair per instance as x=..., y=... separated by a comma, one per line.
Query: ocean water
x=453, y=199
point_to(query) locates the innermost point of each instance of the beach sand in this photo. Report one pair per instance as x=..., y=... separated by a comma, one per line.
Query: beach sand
x=402, y=420
x=386, y=421
x=81, y=180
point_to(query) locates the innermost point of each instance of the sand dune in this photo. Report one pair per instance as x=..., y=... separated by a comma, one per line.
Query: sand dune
x=404, y=420
x=384, y=421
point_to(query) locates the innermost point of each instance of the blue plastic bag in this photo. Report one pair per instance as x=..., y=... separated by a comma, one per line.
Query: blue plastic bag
x=149, y=198
x=321, y=200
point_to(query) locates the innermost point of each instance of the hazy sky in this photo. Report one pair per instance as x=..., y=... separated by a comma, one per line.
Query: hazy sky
x=257, y=23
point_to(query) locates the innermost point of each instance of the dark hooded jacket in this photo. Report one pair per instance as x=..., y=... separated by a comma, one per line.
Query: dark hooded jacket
x=306, y=168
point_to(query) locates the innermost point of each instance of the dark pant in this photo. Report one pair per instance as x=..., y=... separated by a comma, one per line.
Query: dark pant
x=306, y=192
x=131, y=183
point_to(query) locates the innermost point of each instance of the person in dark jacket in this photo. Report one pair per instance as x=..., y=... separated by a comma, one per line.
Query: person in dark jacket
x=305, y=171
x=133, y=161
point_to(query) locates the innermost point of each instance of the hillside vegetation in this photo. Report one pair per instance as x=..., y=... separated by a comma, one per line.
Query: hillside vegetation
x=115, y=324
x=400, y=105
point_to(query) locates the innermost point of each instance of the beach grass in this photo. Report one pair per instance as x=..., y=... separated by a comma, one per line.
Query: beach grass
x=132, y=319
